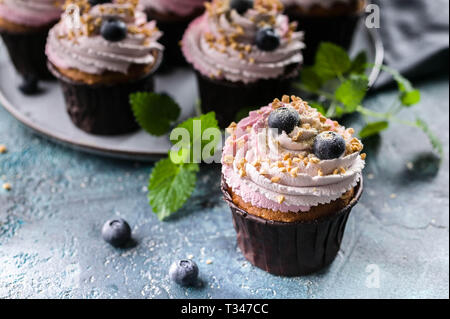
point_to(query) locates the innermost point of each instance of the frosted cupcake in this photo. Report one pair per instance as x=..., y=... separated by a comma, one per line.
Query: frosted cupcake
x=244, y=53
x=325, y=20
x=24, y=26
x=100, y=60
x=173, y=17
x=291, y=178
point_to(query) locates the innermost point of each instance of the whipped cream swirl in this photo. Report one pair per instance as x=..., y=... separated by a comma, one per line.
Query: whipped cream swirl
x=180, y=8
x=32, y=13
x=86, y=50
x=279, y=171
x=221, y=43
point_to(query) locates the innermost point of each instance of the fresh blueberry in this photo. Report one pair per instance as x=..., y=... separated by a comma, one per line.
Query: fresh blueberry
x=284, y=119
x=241, y=6
x=267, y=39
x=329, y=145
x=117, y=232
x=95, y=2
x=184, y=272
x=29, y=85
x=113, y=30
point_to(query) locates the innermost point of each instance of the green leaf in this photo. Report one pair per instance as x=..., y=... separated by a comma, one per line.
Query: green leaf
x=434, y=140
x=352, y=91
x=359, y=63
x=207, y=121
x=410, y=98
x=373, y=128
x=408, y=94
x=310, y=79
x=319, y=107
x=331, y=61
x=170, y=186
x=154, y=112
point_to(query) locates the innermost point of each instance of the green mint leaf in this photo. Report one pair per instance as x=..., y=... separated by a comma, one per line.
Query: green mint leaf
x=410, y=98
x=170, y=186
x=373, y=128
x=434, y=140
x=154, y=112
x=408, y=94
x=331, y=61
x=310, y=79
x=207, y=121
x=359, y=64
x=352, y=91
x=319, y=107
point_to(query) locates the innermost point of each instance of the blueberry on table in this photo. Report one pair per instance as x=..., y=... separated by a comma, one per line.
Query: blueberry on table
x=329, y=145
x=113, y=30
x=184, y=272
x=116, y=232
x=29, y=85
x=284, y=119
x=95, y=2
x=267, y=39
x=241, y=6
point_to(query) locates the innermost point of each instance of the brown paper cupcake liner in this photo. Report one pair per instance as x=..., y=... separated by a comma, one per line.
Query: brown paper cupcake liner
x=173, y=29
x=226, y=98
x=338, y=30
x=102, y=109
x=27, y=52
x=290, y=249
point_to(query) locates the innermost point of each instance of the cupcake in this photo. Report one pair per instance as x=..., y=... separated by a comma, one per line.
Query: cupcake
x=110, y=53
x=291, y=177
x=173, y=17
x=244, y=53
x=24, y=27
x=325, y=20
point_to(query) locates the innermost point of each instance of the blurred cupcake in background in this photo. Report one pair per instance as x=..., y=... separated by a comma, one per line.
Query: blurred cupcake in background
x=173, y=17
x=24, y=25
x=325, y=20
x=244, y=52
x=100, y=57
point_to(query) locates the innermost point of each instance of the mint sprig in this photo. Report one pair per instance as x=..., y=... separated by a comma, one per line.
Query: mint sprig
x=170, y=186
x=172, y=182
x=340, y=84
x=154, y=112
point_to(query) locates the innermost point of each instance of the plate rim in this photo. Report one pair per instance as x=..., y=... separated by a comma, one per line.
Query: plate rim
x=149, y=156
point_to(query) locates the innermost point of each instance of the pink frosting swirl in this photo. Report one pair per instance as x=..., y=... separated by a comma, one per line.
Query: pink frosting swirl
x=221, y=44
x=280, y=172
x=33, y=13
x=89, y=52
x=180, y=8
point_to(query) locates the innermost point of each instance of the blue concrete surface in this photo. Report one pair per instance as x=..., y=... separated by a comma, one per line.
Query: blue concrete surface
x=50, y=221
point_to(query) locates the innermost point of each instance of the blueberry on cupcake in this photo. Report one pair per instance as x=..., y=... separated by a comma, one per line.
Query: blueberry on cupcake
x=291, y=178
x=244, y=52
x=173, y=17
x=325, y=20
x=24, y=26
x=112, y=53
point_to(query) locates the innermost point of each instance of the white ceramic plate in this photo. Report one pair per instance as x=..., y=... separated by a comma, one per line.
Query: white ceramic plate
x=46, y=113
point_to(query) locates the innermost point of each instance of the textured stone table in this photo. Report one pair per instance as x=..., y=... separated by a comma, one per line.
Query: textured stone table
x=50, y=222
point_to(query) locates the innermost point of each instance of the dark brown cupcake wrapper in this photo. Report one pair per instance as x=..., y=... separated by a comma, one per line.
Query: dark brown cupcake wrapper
x=290, y=249
x=173, y=31
x=338, y=30
x=27, y=52
x=226, y=98
x=102, y=109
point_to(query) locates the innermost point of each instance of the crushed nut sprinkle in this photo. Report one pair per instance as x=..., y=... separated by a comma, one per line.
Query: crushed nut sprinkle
x=3, y=149
x=281, y=199
x=7, y=186
x=228, y=159
x=275, y=179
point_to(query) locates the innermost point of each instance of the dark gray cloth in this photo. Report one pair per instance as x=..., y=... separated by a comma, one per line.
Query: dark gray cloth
x=415, y=35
